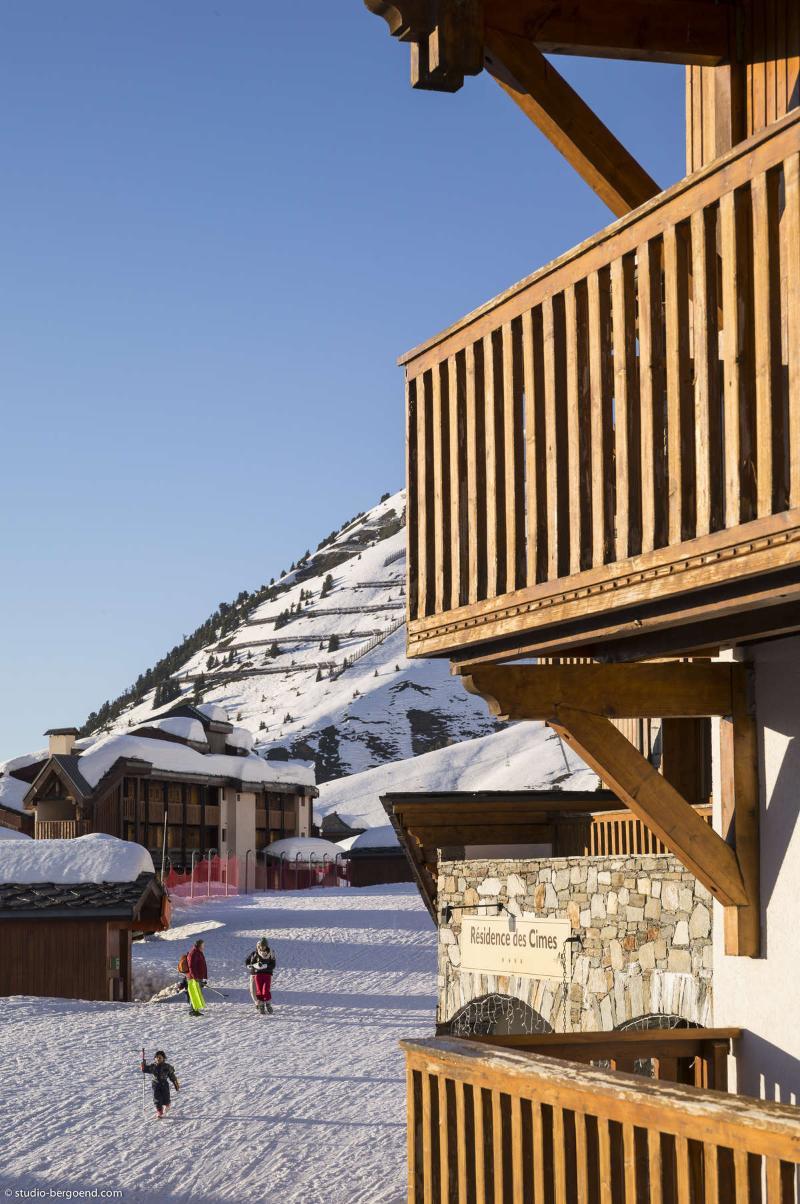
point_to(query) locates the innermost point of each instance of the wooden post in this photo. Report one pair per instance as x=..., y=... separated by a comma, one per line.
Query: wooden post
x=740, y=813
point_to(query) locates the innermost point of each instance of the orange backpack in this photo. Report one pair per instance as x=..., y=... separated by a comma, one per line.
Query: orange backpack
x=183, y=964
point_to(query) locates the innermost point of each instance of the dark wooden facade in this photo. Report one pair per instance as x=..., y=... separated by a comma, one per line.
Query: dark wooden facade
x=374, y=867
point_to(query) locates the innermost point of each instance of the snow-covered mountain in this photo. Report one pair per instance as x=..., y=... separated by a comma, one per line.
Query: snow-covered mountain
x=314, y=664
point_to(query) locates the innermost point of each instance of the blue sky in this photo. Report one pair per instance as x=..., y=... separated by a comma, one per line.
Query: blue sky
x=222, y=220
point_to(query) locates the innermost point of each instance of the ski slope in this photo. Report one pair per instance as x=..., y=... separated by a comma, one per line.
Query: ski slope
x=306, y=1105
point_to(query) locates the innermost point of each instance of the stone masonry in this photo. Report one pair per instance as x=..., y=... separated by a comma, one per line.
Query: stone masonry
x=645, y=928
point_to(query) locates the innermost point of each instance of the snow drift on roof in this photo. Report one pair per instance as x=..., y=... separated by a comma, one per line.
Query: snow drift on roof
x=383, y=837
x=178, y=758
x=10, y=833
x=240, y=737
x=303, y=847
x=92, y=858
x=181, y=726
x=12, y=791
x=212, y=711
x=346, y=844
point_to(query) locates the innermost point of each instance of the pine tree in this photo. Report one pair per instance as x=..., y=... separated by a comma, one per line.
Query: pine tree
x=333, y=643
x=274, y=651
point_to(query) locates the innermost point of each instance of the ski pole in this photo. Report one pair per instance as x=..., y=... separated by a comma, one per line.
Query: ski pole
x=216, y=992
x=142, y=1081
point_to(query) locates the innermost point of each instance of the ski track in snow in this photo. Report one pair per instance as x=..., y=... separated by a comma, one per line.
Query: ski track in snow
x=305, y=1105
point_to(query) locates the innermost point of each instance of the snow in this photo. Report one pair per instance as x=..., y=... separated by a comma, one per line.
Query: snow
x=305, y=1105
x=178, y=758
x=383, y=837
x=92, y=858
x=525, y=756
x=12, y=791
x=304, y=847
x=346, y=844
x=212, y=711
x=11, y=834
x=183, y=727
x=241, y=737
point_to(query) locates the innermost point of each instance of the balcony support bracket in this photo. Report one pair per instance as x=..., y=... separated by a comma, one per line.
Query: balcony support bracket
x=577, y=701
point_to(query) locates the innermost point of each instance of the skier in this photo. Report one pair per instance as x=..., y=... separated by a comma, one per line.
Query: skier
x=163, y=1074
x=197, y=977
x=261, y=965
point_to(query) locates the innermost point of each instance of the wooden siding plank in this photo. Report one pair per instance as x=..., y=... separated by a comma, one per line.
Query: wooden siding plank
x=573, y=405
x=490, y=466
x=705, y=367
x=473, y=469
x=767, y=331
x=680, y=479
x=732, y=350
x=791, y=220
x=531, y=450
x=439, y=472
x=599, y=361
x=626, y=408
x=551, y=401
x=456, y=429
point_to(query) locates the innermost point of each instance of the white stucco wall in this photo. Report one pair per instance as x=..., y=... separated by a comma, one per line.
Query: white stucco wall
x=762, y=995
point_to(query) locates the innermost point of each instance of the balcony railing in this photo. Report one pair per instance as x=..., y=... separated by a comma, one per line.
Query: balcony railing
x=494, y=1125
x=620, y=431
x=61, y=829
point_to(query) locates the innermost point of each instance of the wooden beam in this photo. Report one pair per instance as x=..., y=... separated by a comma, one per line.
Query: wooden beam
x=655, y=801
x=667, y=31
x=680, y=689
x=548, y=100
x=740, y=813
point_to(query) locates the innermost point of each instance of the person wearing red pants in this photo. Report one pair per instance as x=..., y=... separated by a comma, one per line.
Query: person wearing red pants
x=261, y=966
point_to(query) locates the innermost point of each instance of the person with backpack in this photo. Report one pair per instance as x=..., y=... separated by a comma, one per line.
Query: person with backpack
x=163, y=1074
x=196, y=978
x=261, y=966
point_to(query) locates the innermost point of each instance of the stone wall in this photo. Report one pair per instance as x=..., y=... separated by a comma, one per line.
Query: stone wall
x=644, y=925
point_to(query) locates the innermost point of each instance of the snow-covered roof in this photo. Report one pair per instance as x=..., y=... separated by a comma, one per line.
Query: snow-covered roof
x=212, y=711
x=92, y=858
x=12, y=791
x=170, y=757
x=383, y=837
x=303, y=847
x=12, y=834
x=240, y=737
x=346, y=844
x=181, y=726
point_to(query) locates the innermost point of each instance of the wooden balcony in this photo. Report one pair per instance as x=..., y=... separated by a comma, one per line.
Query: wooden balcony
x=488, y=1124
x=61, y=829
x=605, y=459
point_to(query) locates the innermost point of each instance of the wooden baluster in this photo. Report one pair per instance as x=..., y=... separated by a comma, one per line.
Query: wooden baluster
x=654, y=1166
x=538, y=1153
x=424, y=453
x=651, y=394
x=604, y=1158
x=680, y=445
x=456, y=429
x=427, y=1145
x=742, y=1176
x=682, y=1169
x=629, y=1162
x=513, y=455
x=574, y=337
x=461, y=1139
x=626, y=409
x=444, y=1144
x=559, y=1158
x=473, y=470
x=711, y=1174
x=732, y=353
x=518, y=1181
x=480, y=1175
x=776, y=1184
x=490, y=440
x=766, y=308
x=535, y=463
x=551, y=401
x=581, y=1163
x=601, y=428
x=412, y=474
x=441, y=488
x=411, y=1136
x=707, y=433
x=791, y=222
x=497, y=1148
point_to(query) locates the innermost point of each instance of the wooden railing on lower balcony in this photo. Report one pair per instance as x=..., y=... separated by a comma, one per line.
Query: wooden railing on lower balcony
x=496, y=1125
x=61, y=829
x=615, y=833
x=620, y=429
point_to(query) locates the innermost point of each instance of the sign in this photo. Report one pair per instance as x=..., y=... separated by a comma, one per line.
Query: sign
x=531, y=947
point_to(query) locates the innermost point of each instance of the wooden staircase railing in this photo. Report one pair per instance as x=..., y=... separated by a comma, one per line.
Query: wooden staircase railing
x=498, y=1126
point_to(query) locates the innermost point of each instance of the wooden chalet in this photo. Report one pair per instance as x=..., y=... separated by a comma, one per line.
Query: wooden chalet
x=188, y=768
x=73, y=940
x=604, y=475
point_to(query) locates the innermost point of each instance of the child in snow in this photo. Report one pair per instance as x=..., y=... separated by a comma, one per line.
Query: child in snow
x=197, y=978
x=261, y=964
x=163, y=1074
